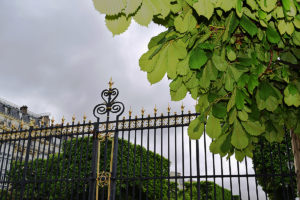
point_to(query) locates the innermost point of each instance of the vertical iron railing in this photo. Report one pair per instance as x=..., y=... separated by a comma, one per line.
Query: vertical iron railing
x=147, y=157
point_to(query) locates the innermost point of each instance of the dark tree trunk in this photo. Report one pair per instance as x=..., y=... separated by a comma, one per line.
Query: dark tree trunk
x=296, y=151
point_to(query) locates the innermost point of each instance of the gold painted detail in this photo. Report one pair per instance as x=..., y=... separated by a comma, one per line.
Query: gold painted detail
x=103, y=136
x=103, y=179
x=85, y=129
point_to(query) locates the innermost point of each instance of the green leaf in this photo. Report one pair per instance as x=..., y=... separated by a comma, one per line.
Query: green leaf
x=253, y=128
x=217, y=145
x=117, y=25
x=197, y=59
x=252, y=83
x=267, y=5
x=147, y=64
x=232, y=116
x=109, y=7
x=219, y=62
x=239, y=155
x=239, y=5
x=132, y=6
x=160, y=68
x=231, y=101
x=239, y=99
x=297, y=21
x=248, y=25
x=229, y=81
x=227, y=5
x=159, y=39
x=252, y=4
x=231, y=24
x=213, y=127
x=272, y=35
x=175, y=84
x=178, y=94
x=230, y=53
x=145, y=14
x=204, y=8
x=195, y=129
x=243, y=115
x=219, y=110
x=288, y=57
x=286, y=4
x=296, y=38
x=291, y=98
x=271, y=103
x=236, y=74
x=239, y=138
x=183, y=67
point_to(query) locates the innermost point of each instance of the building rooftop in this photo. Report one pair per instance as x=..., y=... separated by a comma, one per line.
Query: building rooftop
x=13, y=111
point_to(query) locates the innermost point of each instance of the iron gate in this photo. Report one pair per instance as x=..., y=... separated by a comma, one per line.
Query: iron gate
x=146, y=157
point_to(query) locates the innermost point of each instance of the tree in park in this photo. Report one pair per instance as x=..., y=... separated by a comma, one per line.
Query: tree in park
x=238, y=58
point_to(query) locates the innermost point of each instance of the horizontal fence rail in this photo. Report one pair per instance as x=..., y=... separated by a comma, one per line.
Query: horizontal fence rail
x=146, y=157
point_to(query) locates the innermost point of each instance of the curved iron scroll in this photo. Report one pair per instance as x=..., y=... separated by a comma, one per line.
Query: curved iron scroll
x=110, y=105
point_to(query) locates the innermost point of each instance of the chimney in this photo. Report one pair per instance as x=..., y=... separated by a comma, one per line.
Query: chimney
x=23, y=110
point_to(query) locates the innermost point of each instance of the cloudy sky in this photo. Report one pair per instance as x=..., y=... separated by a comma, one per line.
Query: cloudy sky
x=57, y=56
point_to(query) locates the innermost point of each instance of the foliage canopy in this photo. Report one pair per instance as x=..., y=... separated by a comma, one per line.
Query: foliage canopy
x=238, y=58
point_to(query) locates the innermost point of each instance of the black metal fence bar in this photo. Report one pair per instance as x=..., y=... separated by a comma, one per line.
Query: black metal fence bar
x=147, y=157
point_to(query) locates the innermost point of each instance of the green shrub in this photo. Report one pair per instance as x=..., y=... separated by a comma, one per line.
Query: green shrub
x=208, y=190
x=275, y=163
x=72, y=164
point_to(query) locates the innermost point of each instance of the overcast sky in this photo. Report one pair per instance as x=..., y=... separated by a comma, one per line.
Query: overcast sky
x=57, y=57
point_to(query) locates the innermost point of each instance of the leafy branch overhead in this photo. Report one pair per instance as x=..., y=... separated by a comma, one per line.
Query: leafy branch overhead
x=238, y=58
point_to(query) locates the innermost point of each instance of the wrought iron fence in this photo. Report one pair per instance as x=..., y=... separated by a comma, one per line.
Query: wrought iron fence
x=146, y=157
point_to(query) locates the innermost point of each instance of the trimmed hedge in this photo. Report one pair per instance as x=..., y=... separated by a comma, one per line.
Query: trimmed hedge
x=276, y=162
x=208, y=190
x=74, y=166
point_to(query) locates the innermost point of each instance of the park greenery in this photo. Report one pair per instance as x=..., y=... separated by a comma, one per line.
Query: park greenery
x=238, y=58
x=275, y=158
x=66, y=175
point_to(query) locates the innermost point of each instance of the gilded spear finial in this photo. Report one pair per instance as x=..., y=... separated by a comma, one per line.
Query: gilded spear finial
x=143, y=111
x=22, y=124
x=155, y=110
x=73, y=118
x=110, y=83
x=32, y=122
x=52, y=121
x=63, y=120
x=130, y=111
x=169, y=108
x=84, y=117
x=182, y=107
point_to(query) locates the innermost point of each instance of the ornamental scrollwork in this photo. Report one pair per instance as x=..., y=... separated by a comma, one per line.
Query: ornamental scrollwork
x=109, y=105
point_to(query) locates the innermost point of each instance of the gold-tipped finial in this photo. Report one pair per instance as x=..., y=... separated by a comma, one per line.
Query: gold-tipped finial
x=130, y=111
x=84, y=117
x=73, y=118
x=52, y=121
x=110, y=83
x=32, y=123
x=169, y=108
x=42, y=122
x=22, y=124
x=155, y=110
x=63, y=120
x=182, y=107
x=143, y=111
